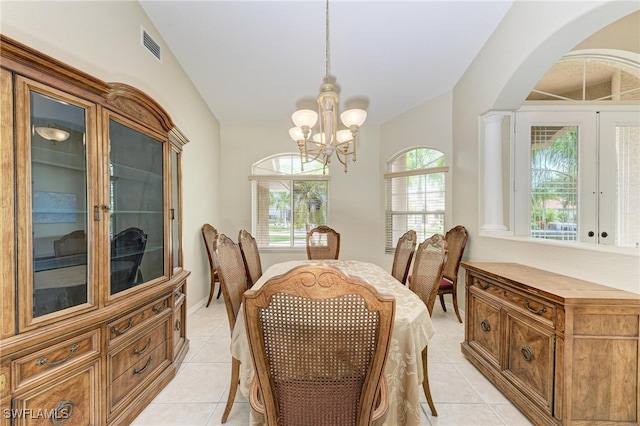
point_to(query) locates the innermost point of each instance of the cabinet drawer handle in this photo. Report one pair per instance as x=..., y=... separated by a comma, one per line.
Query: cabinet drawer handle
x=161, y=308
x=526, y=353
x=142, y=370
x=62, y=412
x=485, y=326
x=535, y=311
x=119, y=332
x=137, y=351
x=178, y=325
x=42, y=360
x=483, y=285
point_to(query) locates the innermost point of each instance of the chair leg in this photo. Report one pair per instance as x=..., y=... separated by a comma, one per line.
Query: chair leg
x=219, y=292
x=444, y=308
x=455, y=307
x=425, y=383
x=211, y=291
x=233, y=387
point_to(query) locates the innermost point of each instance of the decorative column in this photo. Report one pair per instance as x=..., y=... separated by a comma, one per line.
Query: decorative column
x=493, y=179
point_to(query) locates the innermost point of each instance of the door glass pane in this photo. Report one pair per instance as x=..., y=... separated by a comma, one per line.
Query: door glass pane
x=554, y=182
x=137, y=218
x=628, y=186
x=175, y=214
x=59, y=200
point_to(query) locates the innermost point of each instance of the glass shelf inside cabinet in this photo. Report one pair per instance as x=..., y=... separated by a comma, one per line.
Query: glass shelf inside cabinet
x=58, y=203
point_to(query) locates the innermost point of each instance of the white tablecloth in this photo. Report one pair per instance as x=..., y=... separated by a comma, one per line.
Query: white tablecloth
x=412, y=330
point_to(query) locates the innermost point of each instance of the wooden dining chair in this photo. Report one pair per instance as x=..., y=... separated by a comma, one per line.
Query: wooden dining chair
x=233, y=280
x=404, y=254
x=127, y=250
x=250, y=256
x=456, y=239
x=73, y=243
x=323, y=243
x=319, y=341
x=210, y=237
x=425, y=277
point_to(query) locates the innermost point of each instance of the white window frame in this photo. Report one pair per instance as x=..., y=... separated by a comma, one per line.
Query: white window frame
x=391, y=237
x=309, y=171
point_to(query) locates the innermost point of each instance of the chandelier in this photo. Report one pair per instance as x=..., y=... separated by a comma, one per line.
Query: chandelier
x=319, y=143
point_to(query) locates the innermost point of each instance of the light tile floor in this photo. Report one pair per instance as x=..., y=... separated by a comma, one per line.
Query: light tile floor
x=198, y=393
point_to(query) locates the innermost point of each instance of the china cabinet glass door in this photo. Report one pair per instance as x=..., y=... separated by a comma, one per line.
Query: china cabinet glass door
x=54, y=171
x=175, y=209
x=136, y=193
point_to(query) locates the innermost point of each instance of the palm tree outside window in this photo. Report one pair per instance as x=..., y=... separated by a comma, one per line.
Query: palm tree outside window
x=287, y=201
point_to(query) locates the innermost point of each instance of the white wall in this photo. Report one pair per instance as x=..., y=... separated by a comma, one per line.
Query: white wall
x=517, y=55
x=103, y=39
x=354, y=197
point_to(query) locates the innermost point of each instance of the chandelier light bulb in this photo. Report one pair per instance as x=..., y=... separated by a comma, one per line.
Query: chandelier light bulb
x=296, y=134
x=344, y=135
x=305, y=117
x=354, y=117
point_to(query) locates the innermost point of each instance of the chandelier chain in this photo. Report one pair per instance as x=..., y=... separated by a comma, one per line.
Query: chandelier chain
x=327, y=46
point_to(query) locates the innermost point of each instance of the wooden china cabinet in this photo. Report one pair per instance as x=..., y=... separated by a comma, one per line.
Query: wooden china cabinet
x=93, y=290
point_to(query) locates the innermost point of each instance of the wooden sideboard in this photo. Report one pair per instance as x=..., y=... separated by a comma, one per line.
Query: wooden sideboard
x=563, y=350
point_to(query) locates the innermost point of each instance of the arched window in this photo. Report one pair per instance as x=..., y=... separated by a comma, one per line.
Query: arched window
x=287, y=201
x=591, y=75
x=415, y=194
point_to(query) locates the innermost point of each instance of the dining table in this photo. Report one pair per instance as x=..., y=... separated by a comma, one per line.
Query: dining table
x=412, y=329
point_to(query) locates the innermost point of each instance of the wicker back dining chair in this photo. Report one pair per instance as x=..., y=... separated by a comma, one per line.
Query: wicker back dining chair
x=404, y=254
x=210, y=237
x=233, y=280
x=250, y=256
x=319, y=342
x=323, y=243
x=73, y=243
x=456, y=239
x=425, y=277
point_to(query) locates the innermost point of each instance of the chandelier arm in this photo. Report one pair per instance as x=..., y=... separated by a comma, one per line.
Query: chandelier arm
x=344, y=162
x=316, y=154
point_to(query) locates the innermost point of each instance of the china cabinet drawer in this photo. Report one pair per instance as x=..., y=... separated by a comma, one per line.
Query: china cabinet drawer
x=72, y=400
x=142, y=370
x=127, y=325
x=139, y=349
x=48, y=361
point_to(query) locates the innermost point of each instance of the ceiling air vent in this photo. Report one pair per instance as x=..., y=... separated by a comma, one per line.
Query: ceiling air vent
x=151, y=45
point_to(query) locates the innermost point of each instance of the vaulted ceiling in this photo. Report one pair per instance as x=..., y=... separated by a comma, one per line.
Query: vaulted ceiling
x=255, y=62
